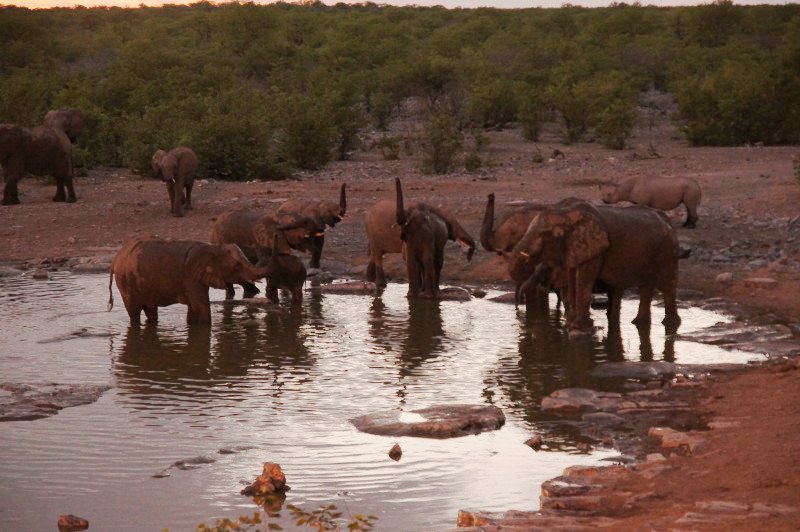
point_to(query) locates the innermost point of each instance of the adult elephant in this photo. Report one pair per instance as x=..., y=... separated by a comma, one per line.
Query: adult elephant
x=325, y=213
x=423, y=230
x=42, y=150
x=261, y=235
x=177, y=168
x=157, y=273
x=664, y=193
x=581, y=247
x=501, y=237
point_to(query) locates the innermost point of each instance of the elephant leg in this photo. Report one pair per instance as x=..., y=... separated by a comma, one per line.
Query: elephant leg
x=250, y=290
x=645, y=299
x=61, y=194
x=177, y=205
x=380, y=275
x=201, y=315
x=645, y=346
x=199, y=308
x=316, y=251
x=671, y=319
x=370, y=275
x=691, y=217
x=134, y=312
x=151, y=313
x=272, y=292
x=188, y=202
x=536, y=299
x=230, y=291
x=614, y=307
x=414, y=275
x=297, y=294
x=171, y=192
x=68, y=182
x=582, y=322
x=10, y=191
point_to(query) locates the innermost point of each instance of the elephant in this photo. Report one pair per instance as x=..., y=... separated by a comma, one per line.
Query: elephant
x=423, y=231
x=42, y=150
x=582, y=247
x=152, y=273
x=261, y=236
x=323, y=212
x=177, y=168
x=664, y=193
x=502, y=238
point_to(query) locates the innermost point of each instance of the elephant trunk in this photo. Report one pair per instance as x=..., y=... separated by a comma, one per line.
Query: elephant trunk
x=110, y=293
x=401, y=211
x=343, y=200
x=487, y=228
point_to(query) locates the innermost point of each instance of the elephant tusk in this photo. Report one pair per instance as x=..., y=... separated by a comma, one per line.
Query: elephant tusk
x=525, y=254
x=321, y=233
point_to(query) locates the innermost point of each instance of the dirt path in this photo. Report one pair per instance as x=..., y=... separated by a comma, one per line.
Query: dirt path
x=745, y=249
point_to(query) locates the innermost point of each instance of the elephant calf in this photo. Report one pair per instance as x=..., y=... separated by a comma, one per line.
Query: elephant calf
x=159, y=273
x=177, y=169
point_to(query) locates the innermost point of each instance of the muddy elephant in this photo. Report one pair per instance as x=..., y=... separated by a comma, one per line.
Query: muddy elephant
x=582, y=247
x=157, y=273
x=422, y=230
x=501, y=237
x=664, y=193
x=254, y=231
x=42, y=150
x=325, y=213
x=177, y=168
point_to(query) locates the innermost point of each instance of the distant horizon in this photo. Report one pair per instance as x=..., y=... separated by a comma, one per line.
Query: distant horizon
x=450, y=4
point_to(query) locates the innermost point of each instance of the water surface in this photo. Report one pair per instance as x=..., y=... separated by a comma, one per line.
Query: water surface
x=280, y=385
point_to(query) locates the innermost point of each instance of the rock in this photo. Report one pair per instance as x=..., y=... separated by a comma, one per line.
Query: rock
x=445, y=421
x=271, y=480
x=348, y=287
x=34, y=401
x=395, y=453
x=634, y=370
x=761, y=282
x=579, y=400
x=534, y=443
x=479, y=293
x=40, y=274
x=68, y=523
x=508, y=297
x=7, y=271
x=724, y=277
x=673, y=439
x=454, y=293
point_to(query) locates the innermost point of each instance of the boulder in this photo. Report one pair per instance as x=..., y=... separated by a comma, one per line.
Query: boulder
x=358, y=288
x=271, y=480
x=446, y=421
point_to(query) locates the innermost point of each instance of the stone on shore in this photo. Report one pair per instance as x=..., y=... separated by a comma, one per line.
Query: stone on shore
x=445, y=421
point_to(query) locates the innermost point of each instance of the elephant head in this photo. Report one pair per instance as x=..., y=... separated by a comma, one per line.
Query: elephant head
x=70, y=121
x=157, y=164
x=300, y=231
x=218, y=265
x=558, y=239
x=331, y=213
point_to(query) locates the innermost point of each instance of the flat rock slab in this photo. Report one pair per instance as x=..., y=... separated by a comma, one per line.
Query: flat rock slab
x=635, y=370
x=358, y=288
x=454, y=293
x=445, y=421
x=508, y=298
x=20, y=402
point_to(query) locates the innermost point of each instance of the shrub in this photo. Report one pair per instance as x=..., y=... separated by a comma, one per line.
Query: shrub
x=441, y=141
x=615, y=123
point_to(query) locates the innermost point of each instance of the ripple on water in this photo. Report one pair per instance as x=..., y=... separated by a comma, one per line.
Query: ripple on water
x=285, y=383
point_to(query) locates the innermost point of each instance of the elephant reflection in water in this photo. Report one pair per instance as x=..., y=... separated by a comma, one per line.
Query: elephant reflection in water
x=416, y=337
x=615, y=348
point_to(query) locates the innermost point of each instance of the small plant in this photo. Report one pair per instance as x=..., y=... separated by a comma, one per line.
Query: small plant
x=325, y=518
x=390, y=147
x=441, y=141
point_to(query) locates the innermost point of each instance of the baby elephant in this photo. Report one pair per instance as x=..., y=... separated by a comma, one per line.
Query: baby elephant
x=286, y=272
x=177, y=169
x=158, y=273
x=663, y=193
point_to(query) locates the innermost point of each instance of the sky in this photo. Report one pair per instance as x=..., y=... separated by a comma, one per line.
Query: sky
x=508, y=4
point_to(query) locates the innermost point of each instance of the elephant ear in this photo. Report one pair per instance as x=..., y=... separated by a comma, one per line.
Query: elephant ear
x=203, y=264
x=586, y=238
x=155, y=162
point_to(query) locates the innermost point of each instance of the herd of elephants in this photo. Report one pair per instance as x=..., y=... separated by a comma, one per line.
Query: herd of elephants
x=573, y=247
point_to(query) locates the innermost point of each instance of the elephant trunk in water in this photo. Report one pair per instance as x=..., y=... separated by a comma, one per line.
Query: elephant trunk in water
x=401, y=211
x=540, y=277
x=487, y=228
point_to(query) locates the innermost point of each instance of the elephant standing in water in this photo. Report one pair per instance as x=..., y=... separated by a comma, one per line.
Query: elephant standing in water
x=664, y=193
x=263, y=236
x=177, y=168
x=423, y=230
x=159, y=273
x=323, y=212
x=581, y=247
x=42, y=150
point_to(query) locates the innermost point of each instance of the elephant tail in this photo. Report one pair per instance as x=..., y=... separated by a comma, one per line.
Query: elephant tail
x=110, y=293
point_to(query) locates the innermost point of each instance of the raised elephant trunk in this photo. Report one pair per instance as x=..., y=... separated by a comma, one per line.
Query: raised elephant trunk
x=487, y=228
x=343, y=200
x=401, y=211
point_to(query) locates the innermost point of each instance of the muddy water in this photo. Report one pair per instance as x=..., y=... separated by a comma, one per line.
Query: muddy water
x=192, y=414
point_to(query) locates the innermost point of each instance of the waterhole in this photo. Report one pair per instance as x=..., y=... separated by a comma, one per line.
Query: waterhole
x=193, y=413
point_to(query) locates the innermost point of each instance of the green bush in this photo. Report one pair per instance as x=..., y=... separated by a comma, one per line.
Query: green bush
x=441, y=141
x=615, y=123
